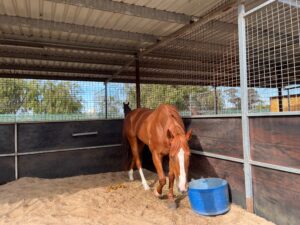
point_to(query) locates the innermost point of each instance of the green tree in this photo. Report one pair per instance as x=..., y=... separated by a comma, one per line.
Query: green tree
x=58, y=98
x=53, y=97
x=13, y=93
x=254, y=98
x=185, y=98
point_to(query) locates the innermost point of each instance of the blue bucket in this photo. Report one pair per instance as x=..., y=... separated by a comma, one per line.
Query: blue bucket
x=209, y=196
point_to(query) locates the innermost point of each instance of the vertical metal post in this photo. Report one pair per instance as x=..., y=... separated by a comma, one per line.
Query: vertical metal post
x=105, y=99
x=289, y=100
x=216, y=101
x=280, y=99
x=244, y=106
x=137, y=81
x=16, y=152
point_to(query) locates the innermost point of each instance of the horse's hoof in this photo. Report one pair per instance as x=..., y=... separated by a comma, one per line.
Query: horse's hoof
x=172, y=205
x=146, y=187
x=157, y=194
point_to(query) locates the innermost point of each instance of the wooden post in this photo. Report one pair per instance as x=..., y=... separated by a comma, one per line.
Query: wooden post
x=216, y=100
x=280, y=99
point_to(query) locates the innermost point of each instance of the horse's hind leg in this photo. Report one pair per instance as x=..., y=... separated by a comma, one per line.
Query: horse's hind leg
x=130, y=172
x=136, y=147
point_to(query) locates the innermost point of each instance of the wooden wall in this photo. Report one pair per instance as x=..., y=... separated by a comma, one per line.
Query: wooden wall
x=43, y=137
x=274, y=140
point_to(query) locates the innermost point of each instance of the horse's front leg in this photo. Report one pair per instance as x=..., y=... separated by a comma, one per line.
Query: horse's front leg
x=171, y=203
x=157, y=161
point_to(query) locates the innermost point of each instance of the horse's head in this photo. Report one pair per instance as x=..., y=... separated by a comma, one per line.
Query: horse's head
x=180, y=157
x=126, y=108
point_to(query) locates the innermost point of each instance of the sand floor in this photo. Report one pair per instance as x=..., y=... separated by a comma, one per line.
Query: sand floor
x=108, y=199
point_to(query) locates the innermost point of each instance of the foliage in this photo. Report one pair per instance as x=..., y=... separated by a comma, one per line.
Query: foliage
x=52, y=97
x=254, y=98
x=185, y=98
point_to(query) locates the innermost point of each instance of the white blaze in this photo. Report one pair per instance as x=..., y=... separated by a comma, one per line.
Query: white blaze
x=182, y=176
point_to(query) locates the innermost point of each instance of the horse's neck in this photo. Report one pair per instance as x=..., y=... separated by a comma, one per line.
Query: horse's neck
x=170, y=122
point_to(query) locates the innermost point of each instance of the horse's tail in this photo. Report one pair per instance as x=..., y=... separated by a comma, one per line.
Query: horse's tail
x=126, y=151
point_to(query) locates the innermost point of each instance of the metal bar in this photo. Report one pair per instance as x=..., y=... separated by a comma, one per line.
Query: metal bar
x=217, y=156
x=253, y=163
x=84, y=134
x=59, y=55
x=274, y=114
x=105, y=99
x=137, y=82
x=16, y=152
x=244, y=106
x=59, y=69
x=130, y=10
x=74, y=28
x=68, y=149
x=32, y=41
x=213, y=116
x=7, y=155
x=61, y=121
x=275, y=167
x=259, y=7
x=293, y=3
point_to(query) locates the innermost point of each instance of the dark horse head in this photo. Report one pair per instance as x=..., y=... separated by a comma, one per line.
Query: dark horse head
x=126, y=108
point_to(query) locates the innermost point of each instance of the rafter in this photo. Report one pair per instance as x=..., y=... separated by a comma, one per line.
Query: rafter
x=130, y=10
x=16, y=40
x=75, y=28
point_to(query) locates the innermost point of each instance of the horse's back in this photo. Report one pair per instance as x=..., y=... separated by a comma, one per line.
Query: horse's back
x=135, y=120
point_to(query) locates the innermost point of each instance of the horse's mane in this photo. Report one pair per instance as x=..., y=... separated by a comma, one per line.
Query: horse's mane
x=172, y=120
x=174, y=124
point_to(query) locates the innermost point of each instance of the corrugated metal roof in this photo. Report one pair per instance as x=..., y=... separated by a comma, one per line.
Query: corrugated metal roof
x=38, y=24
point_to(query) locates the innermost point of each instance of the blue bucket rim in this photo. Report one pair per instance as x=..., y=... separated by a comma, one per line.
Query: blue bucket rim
x=223, y=183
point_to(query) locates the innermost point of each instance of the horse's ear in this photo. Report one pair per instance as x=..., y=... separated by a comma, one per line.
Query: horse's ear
x=128, y=103
x=169, y=134
x=188, y=134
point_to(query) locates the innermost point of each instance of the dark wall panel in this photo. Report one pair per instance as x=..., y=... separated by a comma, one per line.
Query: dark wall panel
x=7, y=169
x=201, y=166
x=7, y=135
x=64, y=164
x=217, y=135
x=276, y=140
x=276, y=195
x=48, y=136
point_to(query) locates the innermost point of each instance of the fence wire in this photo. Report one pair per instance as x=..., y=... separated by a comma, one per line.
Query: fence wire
x=51, y=100
x=273, y=46
x=198, y=71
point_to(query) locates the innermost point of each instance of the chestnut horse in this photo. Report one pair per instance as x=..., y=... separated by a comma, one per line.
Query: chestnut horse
x=163, y=131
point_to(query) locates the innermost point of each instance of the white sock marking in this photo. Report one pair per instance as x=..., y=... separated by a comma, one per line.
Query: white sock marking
x=130, y=174
x=182, y=176
x=144, y=182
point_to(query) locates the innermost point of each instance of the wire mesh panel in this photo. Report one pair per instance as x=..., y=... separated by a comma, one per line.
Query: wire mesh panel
x=273, y=45
x=48, y=100
x=198, y=71
x=117, y=94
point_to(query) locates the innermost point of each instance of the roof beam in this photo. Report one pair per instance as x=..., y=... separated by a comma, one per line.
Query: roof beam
x=130, y=10
x=56, y=69
x=41, y=42
x=61, y=56
x=75, y=28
